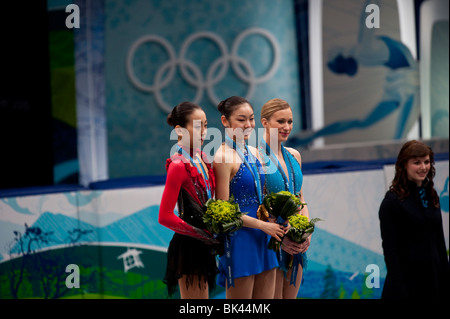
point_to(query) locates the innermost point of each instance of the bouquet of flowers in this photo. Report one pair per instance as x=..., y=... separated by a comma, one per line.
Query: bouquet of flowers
x=281, y=206
x=222, y=217
x=301, y=227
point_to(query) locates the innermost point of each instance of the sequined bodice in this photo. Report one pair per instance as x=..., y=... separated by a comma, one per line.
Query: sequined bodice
x=189, y=210
x=242, y=187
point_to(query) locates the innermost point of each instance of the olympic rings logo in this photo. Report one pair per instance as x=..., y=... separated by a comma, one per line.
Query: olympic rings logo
x=216, y=71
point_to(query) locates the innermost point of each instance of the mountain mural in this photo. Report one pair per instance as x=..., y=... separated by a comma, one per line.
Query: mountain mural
x=328, y=253
x=141, y=227
x=329, y=249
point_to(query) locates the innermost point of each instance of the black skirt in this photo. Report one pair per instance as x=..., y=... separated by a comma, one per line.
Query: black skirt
x=190, y=257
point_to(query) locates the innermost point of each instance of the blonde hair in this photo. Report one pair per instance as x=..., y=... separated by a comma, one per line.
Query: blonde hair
x=273, y=106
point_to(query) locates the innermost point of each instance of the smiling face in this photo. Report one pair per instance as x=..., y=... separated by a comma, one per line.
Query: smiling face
x=242, y=121
x=281, y=121
x=417, y=169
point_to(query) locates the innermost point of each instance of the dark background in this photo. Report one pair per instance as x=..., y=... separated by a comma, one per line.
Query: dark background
x=25, y=99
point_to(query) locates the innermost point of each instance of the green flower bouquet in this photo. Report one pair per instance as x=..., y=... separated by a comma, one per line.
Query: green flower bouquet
x=221, y=216
x=281, y=206
x=301, y=227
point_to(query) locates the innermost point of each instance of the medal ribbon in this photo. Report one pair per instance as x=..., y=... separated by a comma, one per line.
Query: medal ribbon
x=289, y=184
x=257, y=181
x=191, y=160
x=252, y=166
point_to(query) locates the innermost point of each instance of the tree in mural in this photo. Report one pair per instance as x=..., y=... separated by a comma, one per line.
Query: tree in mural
x=33, y=236
x=366, y=292
x=355, y=294
x=331, y=289
x=41, y=273
x=342, y=292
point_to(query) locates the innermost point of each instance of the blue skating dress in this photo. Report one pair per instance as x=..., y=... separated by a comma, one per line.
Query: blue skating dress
x=276, y=180
x=248, y=246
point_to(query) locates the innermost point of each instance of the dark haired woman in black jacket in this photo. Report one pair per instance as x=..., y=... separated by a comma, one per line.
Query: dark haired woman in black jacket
x=411, y=229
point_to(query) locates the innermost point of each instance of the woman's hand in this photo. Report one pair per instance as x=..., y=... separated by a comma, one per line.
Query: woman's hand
x=205, y=236
x=305, y=245
x=290, y=246
x=273, y=229
x=293, y=248
x=285, y=227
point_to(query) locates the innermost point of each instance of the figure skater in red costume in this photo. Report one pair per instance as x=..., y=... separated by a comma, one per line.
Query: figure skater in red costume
x=191, y=263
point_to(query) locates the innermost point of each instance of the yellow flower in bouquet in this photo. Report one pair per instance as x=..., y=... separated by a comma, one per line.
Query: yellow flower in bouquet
x=301, y=227
x=221, y=216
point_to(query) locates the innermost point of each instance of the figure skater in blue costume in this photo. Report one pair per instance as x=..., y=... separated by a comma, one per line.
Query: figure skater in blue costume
x=283, y=173
x=248, y=267
x=401, y=91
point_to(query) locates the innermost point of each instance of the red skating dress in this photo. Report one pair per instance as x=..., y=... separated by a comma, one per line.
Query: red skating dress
x=191, y=251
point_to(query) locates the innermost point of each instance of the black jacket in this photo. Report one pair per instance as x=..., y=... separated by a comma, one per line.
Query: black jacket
x=414, y=248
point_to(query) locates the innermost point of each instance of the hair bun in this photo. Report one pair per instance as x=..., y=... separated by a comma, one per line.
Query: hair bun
x=180, y=113
x=221, y=106
x=227, y=106
x=170, y=119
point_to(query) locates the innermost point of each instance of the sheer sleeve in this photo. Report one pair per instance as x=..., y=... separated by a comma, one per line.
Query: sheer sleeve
x=176, y=177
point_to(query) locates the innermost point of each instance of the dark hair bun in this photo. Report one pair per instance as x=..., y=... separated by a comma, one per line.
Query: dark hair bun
x=221, y=107
x=180, y=113
x=169, y=119
x=227, y=106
